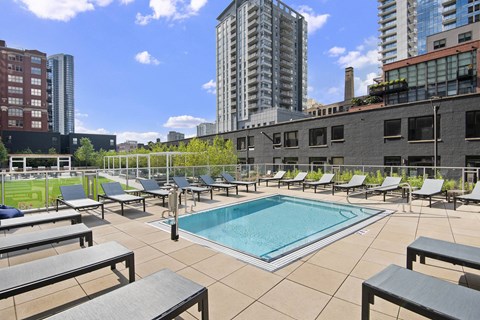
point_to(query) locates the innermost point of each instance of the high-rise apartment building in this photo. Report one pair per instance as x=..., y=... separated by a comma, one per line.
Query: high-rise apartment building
x=261, y=64
x=23, y=89
x=174, y=136
x=62, y=117
x=204, y=129
x=404, y=25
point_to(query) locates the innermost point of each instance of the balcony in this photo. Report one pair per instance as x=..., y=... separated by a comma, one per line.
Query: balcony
x=286, y=64
x=252, y=73
x=253, y=106
x=252, y=15
x=252, y=65
x=252, y=39
x=252, y=31
x=286, y=94
x=287, y=72
x=253, y=89
x=252, y=97
x=253, y=56
x=465, y=73
x=393, y=86
x=285, y=48
x=285, y=86
x=252, y=48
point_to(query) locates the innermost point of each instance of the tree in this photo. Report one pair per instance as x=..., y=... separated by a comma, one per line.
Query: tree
x=86, y=152
x=3, y=154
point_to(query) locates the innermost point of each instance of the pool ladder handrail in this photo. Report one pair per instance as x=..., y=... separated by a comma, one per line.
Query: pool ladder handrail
x=409, y=197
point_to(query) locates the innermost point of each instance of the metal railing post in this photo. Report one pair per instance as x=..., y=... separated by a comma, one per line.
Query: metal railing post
x=47, y=203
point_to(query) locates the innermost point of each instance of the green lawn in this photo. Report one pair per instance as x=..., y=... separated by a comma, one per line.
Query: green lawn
x=30, y=194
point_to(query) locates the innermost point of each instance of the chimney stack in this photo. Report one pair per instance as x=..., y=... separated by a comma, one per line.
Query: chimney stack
x=349, y=84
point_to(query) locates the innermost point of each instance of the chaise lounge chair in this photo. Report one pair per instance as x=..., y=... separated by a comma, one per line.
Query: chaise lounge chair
x=429, y=188
x=113, y=191
x=74, y=197
x=389, y=184
x=299, y=178
x=279, y=175
x=151, y=187
x=325, y=180
x=163, y=295
x=184, y=186
x=356, y=182
x=471, y=197
x=36, y=274
x=207, y=180
x=428, y=296
x=232, y=180
x=455, y=253
x=41, y=218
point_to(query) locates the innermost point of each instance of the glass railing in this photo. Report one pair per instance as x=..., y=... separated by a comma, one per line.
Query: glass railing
x=32, y=190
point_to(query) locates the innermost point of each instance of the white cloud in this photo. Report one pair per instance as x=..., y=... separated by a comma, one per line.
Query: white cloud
x=140, y=137
x=171, y=10
x=62, y=10
x=126, y=1
x=336, y=51
x=361, y=85
x=78, y=114
x=210, y=87
x=145, y=57
x=315, y=21
x=365, y=55
x=183, y=122
x=310, y=89
x=81, y=128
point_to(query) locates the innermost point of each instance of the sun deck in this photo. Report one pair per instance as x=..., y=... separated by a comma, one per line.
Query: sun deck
x=322, y=285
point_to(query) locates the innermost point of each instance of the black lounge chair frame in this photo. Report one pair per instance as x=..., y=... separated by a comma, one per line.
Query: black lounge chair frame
x=455, y=253
x=293, y=181
x=148, y=189
x=229, y=179
x=425, y=295
x=425, y=196
x=384, y=189
x=272, y=178
x=29, y=240
x=348, y=186
x=164, y=295
x=225, y=186
x=185, y=187
x=65, y=200
x=30, y=221
x=43, y=272
x=113, y=197
x=316, y=184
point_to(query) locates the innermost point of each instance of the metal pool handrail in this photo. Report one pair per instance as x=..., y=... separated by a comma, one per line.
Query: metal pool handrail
x=381, y=187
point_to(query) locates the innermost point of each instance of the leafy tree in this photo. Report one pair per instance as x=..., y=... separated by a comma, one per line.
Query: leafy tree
x=3, y=154
x=86, y=152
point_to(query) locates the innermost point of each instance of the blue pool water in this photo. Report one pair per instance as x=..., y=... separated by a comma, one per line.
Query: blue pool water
x=271, y=227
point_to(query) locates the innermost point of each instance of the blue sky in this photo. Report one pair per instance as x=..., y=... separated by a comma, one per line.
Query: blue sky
x=145, y=67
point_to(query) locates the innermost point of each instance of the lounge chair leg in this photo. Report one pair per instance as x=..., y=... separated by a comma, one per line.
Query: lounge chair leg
x=204, y=307
x=121, y=204
x=454, y=203
x=366, y=299
x=430, y=202
x=103, y=212
x=131, y=269
x=143, y=200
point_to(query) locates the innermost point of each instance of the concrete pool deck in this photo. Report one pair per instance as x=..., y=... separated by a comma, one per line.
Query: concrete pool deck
x=323, y=285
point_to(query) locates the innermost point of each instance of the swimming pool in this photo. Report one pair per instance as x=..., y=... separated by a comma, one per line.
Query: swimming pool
x=272, y=227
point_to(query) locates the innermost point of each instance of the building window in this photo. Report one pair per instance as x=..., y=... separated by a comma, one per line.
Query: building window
x=74, y=141
x=241, y=143
x=36, y=81
x=17, y=79
x=36, y=92
x=15, y=123
x=317, y=137
x=439, y=44
x=112, y=142
x=291, y=139
x=392, y=161
x=15, y=90
x=37, y=124
x=15, y=112
x=392, y=128
x=251, y=142
x=277, y=140
x=421, y=128
x=15, y=57
x=337, y=133
x=15, y=67
x=464, y=37
x=36, y=71
x=36, y=103
x=473, y=124
x=422, y=161
x=36, y=60
x=36, y=114
x=17, y=101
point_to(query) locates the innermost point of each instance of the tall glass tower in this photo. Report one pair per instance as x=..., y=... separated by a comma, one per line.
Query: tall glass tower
x=404, y=25
x=261, y=64
x=63, y=99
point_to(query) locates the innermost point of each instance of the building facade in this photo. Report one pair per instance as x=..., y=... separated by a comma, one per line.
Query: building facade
x=404, y=25
x=62, y=108
x=23, y=89
x=175, y=136
x=261, y=63
x=206, y=128
x=127, y=146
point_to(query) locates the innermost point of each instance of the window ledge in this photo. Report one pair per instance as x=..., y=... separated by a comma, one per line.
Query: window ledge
x=472, y=139
x=291, y=147
x=423, y=141
x=320, y=146
x=338, y=140
x=392, y=137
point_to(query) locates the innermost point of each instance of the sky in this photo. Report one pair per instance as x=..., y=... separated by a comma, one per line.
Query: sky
x=147, y=67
